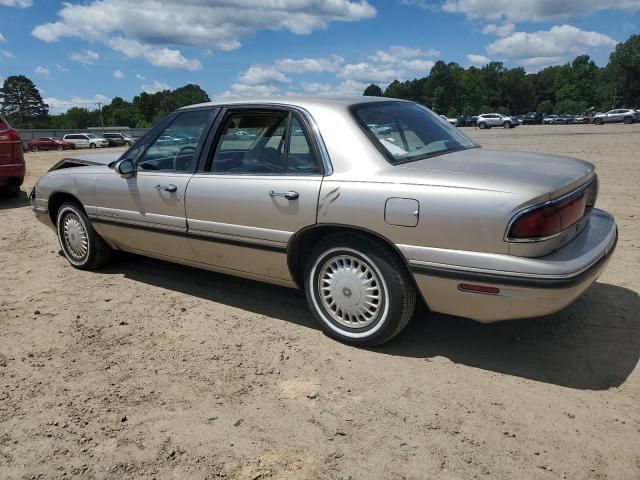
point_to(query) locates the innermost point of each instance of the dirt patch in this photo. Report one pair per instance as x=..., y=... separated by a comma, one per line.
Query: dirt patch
x=148, y=369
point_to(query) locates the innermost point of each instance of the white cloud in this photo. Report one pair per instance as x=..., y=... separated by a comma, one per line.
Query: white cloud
x=2, y=38
x=16, y=3
x=42, y=71
x=534, y=10
x=140, y=77
x=257, y=75
x=220, y=25
x=118, y=74
x=155, y=87
x=57, y=105
x=478, y=60
x=503, y=30
x=7, y=53
x=559, y=41
x=86, y=57
x=315, y=65
x=61, y=68
x=382, y=67
x=158, y=56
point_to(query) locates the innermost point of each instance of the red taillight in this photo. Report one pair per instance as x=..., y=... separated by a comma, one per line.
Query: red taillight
x=552, y=218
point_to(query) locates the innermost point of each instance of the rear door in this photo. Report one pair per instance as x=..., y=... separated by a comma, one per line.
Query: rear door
x=259, y=187
x=146, y=213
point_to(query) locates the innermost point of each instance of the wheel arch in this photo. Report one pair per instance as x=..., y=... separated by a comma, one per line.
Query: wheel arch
x=56, y=200
x=303, y=242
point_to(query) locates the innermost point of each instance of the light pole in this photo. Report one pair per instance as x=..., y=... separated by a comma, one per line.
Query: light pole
x=100, y=108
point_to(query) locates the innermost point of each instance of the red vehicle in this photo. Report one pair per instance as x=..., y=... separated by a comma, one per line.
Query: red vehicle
x=49, y=143
x=12, y=168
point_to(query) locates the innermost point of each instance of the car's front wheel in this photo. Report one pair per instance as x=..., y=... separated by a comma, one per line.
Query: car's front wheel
x=92, y=145
x=34, y=148
x=506, y=124
x=358, y=290
x=81, y=245
x=598, y=121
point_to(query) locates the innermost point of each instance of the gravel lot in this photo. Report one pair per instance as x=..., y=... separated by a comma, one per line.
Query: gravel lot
x=148, y=369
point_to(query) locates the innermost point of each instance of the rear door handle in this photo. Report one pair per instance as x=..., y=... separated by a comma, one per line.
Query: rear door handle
x=290, y=195
x=167, y=188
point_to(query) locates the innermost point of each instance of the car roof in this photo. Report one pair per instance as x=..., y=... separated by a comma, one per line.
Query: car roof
x=298, y=101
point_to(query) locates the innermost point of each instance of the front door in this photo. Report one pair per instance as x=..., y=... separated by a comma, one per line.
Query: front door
x=260, y=188
x=146, y=213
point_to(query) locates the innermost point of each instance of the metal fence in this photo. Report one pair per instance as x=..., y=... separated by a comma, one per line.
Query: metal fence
x=30, y=134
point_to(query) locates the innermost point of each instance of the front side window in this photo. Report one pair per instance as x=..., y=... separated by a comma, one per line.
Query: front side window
x=405, y=131
x=272, y=143
x=175, y=149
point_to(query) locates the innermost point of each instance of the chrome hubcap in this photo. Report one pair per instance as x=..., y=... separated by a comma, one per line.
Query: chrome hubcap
x=350, y=291
x=75, y=236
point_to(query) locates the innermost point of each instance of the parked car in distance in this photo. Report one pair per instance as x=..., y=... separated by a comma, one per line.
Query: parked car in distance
x=12, y=166
x=379, y=128
x=488, y=120
x=49, y=143
x=466, y=121
x=550, y=119
x=618, y=115
x=362, y=221
x=452, y=121
x=85, y=140
x=532, y=118
x=117, y=139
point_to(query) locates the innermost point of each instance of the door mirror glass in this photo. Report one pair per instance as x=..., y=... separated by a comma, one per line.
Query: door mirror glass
x=125, y=168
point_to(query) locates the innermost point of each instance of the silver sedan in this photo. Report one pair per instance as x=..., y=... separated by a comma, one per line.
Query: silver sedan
x=314, y=195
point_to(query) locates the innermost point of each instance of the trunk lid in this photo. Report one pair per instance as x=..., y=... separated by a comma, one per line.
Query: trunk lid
x=532, y=174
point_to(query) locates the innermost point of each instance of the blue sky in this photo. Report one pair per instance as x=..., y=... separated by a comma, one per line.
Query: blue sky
x=81, y=52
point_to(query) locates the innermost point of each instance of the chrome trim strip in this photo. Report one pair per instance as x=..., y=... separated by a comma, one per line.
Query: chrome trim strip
x=518, y=214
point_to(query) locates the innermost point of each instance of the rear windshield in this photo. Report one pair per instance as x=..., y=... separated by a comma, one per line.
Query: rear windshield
x=405, y=131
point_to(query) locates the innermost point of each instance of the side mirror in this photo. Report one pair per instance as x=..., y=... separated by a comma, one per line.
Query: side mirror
x=125, y=168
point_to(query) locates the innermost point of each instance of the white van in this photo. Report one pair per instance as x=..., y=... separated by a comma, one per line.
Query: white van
x=85, y=140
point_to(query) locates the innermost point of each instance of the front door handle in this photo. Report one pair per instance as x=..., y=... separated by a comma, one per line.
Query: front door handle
x=290, y=195
x=167, y=188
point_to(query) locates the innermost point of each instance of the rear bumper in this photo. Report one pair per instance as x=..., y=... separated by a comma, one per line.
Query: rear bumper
x=12, y=174
x=528, y=287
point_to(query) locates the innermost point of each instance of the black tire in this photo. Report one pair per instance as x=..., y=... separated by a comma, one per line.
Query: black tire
x=92, y=145
x=95, y=254
x=628, y=120
x=598, y=121
x=377, y=267
x=482, y=125
x=507, y=125
x=34, y=148
x=60, y=148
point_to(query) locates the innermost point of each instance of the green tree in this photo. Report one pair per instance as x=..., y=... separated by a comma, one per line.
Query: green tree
x=372, y=90
x=22, y=104
x=623, y=73
x=545, y=107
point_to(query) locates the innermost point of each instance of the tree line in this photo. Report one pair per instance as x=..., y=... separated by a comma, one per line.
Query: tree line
x=22, y=104
x=572, y=88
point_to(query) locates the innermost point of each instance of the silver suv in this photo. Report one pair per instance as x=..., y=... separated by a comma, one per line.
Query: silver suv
x=625, y=115
x=488, y=120
x=85, y=140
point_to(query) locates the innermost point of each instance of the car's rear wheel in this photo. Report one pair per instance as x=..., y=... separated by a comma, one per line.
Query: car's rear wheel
x=358, y=290
x=81, y=245
x=628, y=120
x=34, y=148
x=482, y=125
x=598, y=121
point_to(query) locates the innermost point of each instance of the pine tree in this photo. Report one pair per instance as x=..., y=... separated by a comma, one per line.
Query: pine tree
x=21, y=102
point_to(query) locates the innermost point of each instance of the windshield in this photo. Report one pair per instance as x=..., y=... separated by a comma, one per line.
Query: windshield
x=405, y=131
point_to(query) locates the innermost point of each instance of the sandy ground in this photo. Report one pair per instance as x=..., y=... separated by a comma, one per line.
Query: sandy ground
x=151, y=370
